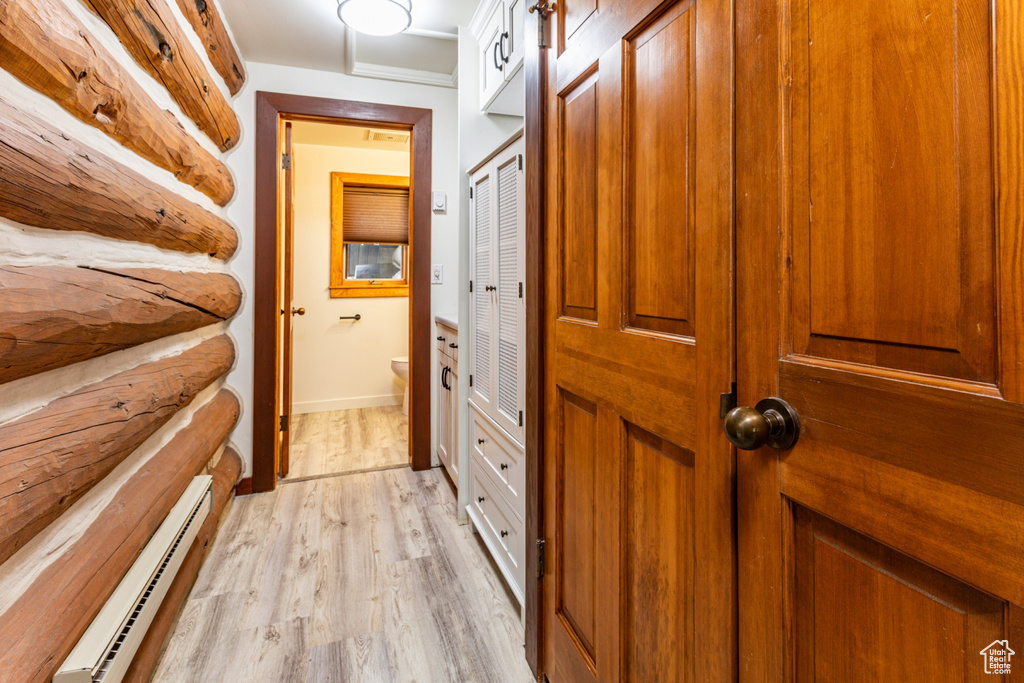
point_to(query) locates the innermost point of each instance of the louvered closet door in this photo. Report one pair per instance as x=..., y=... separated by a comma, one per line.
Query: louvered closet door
x=509, y=377
x=481, y=275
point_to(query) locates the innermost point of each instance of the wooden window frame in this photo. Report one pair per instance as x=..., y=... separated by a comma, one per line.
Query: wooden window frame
x=341, y=287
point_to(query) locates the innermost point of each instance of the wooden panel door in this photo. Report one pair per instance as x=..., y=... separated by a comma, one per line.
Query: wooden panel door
x=638, y=483
x=880, y=292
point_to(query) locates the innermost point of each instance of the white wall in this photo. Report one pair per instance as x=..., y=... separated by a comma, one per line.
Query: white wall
x=445, y=172
x=479, y=135
x=340, y=364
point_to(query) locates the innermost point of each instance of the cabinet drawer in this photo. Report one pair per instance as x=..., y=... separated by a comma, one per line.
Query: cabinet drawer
x=501, y=530
x=502, y=459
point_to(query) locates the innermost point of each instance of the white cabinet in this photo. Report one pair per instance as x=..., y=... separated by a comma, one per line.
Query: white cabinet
x=448, y=400
x=501, y=50
x=497, y=365
x=497, y=301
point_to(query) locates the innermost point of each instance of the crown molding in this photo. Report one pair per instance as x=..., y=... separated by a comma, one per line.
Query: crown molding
x=394, y=73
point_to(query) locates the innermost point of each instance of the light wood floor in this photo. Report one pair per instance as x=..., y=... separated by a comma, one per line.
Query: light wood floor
x=363, y=577
x=348, y=441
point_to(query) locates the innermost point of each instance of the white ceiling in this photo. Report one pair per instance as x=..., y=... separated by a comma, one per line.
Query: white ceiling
x=308, y=34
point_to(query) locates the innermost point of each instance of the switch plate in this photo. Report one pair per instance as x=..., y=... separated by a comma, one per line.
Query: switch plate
x=436, y=274
x=439, y=202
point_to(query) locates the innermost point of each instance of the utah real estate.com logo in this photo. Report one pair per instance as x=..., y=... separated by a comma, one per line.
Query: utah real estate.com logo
x=997, y=657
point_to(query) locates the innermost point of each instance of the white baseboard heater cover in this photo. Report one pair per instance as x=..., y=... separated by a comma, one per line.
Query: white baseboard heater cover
x=109, y=644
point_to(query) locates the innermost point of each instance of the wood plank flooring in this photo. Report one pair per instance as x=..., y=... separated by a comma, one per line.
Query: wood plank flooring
x=348, y=441
x=363, y=577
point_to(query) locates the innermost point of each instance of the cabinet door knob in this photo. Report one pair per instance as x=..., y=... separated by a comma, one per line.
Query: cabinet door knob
x=479, y=499
x=504, y=466
x=481, y=441
x=504, y=533
x=453, y=345
x=440, y=339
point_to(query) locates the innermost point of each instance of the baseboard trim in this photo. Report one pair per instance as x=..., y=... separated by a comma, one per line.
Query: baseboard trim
x=346, y=404
x=244, y=487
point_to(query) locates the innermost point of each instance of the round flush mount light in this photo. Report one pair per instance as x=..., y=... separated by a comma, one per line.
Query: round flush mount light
x=376, y=17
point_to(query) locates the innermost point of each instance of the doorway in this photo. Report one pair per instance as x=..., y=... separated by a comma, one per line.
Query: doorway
x=345, y=284
x=283, y=121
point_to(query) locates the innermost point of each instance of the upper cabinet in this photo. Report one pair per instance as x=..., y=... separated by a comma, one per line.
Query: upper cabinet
x=500, y=43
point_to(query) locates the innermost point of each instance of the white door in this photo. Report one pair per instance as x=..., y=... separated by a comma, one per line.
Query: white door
x=483, y=278
x=509, y=323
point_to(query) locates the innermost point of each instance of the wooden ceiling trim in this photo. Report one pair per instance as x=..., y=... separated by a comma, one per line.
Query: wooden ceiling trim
x=152, y=35
x=225, y=475
x=52, y=457
x=55, y=316
x=45, y=622
x=46, y=47
x=53, y=182
x=208, y=25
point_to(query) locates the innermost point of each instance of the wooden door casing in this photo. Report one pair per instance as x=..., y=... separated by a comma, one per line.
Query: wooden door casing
x=880, y=275
x=638, y=482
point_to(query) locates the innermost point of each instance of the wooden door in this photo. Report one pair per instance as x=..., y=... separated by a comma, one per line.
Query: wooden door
x=638, y=493
x=880, y=292
x=287, y=283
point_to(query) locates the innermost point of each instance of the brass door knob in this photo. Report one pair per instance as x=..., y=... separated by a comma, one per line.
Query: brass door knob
x=772, y=422
x=298, y=311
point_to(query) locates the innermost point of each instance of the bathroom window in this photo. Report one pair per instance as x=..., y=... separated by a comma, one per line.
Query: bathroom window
x=370, y=237
x=374, y=261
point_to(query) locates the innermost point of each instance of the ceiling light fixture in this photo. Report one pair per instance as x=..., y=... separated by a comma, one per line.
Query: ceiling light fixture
x=376, y=17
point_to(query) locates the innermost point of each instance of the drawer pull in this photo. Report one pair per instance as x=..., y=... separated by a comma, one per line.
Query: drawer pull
x=504, y=466
x=479, y=499
x=453, y=345
x=440, y=339
x=481, y=441
x=504, y=533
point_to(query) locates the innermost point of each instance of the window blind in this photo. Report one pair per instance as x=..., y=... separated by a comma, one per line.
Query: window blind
x=375, y=215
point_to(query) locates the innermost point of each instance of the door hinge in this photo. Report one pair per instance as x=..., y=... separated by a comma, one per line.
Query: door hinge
x=286, y=161
x=284, y=423
x=544, y=8
x=541, y=543
x=520, y=418
x=727, y=402
x=520, y=161
x=471, y=380
x=470, y=191
x=470, y=285
x=520, y=290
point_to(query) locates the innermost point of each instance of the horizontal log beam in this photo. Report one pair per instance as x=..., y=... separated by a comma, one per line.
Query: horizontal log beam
x=52, y=457
x=53, y=316
x=50, y=181
x=209, y=26
x=46, y=47
x=143, y=666
x=42, y=626
x=149, y=31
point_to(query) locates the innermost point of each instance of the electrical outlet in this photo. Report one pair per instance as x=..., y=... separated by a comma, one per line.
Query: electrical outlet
x=436, y=274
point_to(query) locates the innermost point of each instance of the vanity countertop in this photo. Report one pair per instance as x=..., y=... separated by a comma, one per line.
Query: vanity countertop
x=447, y=321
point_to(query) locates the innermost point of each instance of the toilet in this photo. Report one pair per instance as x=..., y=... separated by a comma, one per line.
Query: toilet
x=400, y=366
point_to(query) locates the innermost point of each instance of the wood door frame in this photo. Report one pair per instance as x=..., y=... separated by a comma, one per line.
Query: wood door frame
x=270, y=108
x=535, y=65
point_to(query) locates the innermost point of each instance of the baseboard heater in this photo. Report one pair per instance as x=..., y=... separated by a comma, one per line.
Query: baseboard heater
x=108, y=646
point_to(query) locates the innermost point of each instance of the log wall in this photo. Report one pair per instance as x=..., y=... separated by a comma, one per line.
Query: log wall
x=116, y=295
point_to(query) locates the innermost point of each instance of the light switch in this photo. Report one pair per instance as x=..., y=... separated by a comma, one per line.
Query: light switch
x=439, y=202
x=436, y=274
